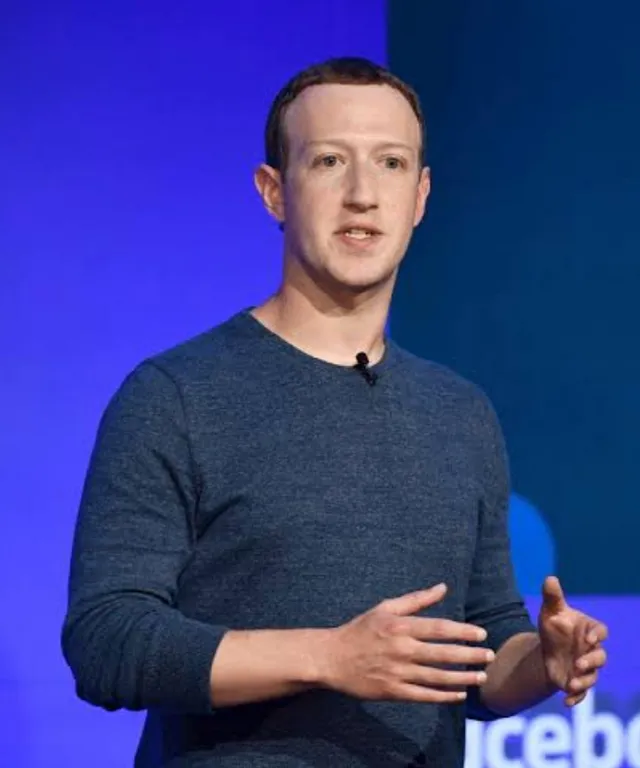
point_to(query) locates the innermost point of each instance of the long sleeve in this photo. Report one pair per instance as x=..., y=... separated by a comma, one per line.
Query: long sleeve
x=493, y=599
x=125, y=641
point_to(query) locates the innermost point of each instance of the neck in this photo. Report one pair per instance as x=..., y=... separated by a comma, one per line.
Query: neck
x=331, y=328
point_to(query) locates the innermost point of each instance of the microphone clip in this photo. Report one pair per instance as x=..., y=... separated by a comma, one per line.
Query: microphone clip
x=362, y=366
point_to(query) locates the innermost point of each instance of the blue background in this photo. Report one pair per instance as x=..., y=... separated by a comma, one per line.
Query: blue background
x=128, y=222
x=526, y=275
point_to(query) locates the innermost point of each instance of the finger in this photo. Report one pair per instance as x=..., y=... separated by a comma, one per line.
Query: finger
x=591, y=661
x=582, y=684
x=597, y=633
x=443, y=678
x=553, y=595
x=420, y=693
x=411, y=603
x=429, y=654
x=445, y=629
x=563, y=623
x=571, y=701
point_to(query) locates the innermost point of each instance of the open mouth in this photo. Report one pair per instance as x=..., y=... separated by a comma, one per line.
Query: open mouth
x=359, y=233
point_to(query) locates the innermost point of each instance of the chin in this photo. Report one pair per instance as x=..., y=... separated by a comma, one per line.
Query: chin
x=364, y=283
x=336, y=274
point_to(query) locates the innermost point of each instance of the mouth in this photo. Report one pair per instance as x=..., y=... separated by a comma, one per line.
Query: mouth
x=361, y=234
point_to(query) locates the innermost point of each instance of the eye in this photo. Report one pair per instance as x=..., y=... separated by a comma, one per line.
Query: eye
x=393, y=163
x=326, y=161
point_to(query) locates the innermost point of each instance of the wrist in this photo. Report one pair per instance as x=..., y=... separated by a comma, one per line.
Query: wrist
x=256, y=665
x=317, y=669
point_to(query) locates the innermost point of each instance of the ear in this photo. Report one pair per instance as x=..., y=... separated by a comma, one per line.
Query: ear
x=268, y=182
x=424, y=188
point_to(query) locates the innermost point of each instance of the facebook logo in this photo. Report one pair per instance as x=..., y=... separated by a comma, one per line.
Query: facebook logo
x=587, y=738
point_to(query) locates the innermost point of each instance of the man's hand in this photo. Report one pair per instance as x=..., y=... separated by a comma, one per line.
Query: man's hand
x=571, y=644
x=387, y=653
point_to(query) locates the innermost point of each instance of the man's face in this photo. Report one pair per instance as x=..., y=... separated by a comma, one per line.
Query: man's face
x=354, y=187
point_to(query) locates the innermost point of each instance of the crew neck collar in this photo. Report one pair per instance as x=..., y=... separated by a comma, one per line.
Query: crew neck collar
x=251, y=324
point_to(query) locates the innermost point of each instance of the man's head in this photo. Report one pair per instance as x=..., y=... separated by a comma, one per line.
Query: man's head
x=344, y=173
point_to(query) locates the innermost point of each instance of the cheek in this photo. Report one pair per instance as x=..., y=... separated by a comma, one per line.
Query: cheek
x=312, y=203
x=402, y=208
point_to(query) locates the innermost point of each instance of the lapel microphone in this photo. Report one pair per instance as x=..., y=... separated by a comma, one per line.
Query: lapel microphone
x=362, y=366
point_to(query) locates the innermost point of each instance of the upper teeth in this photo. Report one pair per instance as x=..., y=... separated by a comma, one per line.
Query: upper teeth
x=358, y=232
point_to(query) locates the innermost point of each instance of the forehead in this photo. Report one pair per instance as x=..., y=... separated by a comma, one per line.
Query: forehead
x=351, y=112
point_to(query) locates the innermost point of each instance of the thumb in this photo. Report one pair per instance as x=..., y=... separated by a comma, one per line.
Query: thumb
x=411, y=603
x=552, y=595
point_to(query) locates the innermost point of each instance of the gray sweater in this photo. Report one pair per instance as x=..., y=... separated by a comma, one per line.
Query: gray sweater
x=237, y=482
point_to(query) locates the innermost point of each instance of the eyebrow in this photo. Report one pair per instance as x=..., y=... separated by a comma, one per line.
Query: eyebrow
x=382, y=145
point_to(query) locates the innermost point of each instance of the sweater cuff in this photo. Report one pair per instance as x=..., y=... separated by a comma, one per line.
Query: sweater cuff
x=499, y=634
x=497, y=637
x=184, y=668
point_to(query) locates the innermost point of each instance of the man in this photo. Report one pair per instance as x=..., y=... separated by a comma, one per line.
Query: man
x=292, y=546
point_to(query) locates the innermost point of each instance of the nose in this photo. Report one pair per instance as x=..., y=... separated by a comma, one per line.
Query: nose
x=361, y=191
